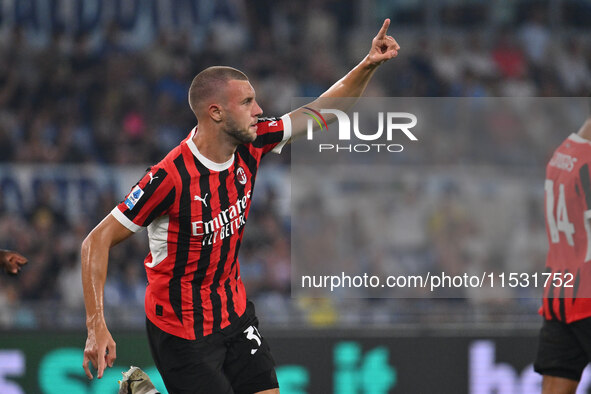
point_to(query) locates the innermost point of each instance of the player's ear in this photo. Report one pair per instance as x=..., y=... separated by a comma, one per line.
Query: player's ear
x=215, y=112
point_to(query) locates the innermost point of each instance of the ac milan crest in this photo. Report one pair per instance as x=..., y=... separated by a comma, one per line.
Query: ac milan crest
x=241, y=175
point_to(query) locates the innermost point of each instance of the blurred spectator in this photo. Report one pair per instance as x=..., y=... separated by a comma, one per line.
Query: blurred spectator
x=448, y=63
x=508, y=56
x=573, y=68
x=535, y=37
x=477, y=59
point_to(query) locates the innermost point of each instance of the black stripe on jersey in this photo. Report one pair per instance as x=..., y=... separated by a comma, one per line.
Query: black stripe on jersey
x=250, y=161
x=233, y=315
x=561, y=304
x=184, y=238
x=268, y=119
x=551, y=298
x=160, y=208
x=216, y=300
x=149, y=190
x=204, y=256
x=576, y=284
x=586, y=183
x=274, y=137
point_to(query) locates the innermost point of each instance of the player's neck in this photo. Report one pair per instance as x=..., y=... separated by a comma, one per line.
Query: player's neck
x=585, y=130
x=214, y=145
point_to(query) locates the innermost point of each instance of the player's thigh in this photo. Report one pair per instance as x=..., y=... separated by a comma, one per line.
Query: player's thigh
x=556, y=385
x=560, y=353
x=189, y=367
x=582, y=330
x=249, y=365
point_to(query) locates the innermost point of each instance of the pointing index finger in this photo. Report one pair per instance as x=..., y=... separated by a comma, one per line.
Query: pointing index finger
x=384, y=29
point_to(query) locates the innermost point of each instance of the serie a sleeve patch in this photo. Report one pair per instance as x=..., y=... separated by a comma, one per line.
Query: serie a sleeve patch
x=134, y=196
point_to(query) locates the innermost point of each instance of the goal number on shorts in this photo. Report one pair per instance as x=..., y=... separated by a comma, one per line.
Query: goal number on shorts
x=560, y=223
x=253, y=334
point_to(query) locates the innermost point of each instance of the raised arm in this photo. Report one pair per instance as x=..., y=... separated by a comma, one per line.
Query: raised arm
x=383, y=48
x=100, y=347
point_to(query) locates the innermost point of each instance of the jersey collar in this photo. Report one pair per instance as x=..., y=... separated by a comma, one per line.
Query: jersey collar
x=577, y=138
x=211, y=165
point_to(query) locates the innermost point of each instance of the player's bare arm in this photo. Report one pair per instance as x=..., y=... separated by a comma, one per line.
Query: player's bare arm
x=100, y=347
x=585, y=130
x=11, y=261
x=383, y=48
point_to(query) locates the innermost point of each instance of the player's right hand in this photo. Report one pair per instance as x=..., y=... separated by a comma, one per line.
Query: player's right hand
x=100, y=349
x=383, y=46
x=12, y=261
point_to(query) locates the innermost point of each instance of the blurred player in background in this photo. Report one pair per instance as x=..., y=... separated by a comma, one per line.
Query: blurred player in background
x=202, y=330
x=11, y=261
x=564, y=348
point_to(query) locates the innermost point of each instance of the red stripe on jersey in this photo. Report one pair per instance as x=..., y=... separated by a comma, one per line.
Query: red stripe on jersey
x=214, y=258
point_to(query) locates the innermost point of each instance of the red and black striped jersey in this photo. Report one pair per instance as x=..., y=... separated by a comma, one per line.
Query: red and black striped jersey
x=567, y=292
x=195, y=211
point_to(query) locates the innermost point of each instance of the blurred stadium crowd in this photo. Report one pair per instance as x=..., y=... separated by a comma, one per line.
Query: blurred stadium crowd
x=82, y=99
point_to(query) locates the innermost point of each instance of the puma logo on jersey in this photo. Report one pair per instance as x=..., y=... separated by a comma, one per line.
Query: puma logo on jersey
x=202, y=199
x=152, y=177
x=273, y=123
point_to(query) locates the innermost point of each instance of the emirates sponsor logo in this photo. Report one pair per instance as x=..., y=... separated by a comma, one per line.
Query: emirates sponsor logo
x=226, y=223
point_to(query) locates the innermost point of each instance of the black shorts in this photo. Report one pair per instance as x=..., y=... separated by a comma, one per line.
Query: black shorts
x=239, y=362
x=564, y=350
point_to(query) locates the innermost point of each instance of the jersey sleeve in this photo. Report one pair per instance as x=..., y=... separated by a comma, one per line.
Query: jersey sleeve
x=151, y=197
x=273, y=134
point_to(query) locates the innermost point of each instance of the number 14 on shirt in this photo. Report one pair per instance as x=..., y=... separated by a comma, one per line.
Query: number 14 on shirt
x=561, y=222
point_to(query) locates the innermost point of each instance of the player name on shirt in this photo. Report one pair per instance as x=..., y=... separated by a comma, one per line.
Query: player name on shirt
x=563, y=161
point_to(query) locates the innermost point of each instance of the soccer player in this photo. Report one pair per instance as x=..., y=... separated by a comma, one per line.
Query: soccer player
x=564, y=347
x=202, y=331
x=11, y=261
